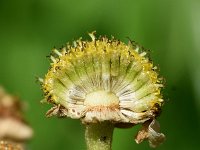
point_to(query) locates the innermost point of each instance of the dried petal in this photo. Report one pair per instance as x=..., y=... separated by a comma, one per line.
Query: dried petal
x=13, y=129
x=155, y=137
x=150, y=131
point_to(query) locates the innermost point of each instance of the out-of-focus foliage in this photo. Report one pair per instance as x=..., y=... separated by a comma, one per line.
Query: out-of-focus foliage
x=29, y=29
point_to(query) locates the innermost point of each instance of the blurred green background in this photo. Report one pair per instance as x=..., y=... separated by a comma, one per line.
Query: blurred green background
x=29, y=29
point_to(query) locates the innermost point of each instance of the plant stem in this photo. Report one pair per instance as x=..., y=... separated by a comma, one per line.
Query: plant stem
x=98, y=136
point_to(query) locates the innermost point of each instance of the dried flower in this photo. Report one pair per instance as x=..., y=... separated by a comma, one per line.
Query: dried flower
x=103, y=81
x=10, y=146
x=14, y=131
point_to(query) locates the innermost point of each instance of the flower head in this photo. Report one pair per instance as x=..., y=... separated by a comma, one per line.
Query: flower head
x=103, y=80
x=14, y=131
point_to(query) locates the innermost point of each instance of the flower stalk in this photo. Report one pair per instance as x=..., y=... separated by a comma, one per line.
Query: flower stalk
x=98, y=136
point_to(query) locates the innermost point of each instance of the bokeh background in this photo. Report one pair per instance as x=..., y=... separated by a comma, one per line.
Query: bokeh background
x=29, y=29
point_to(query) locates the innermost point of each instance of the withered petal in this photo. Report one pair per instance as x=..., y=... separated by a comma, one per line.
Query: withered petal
x=150, y=131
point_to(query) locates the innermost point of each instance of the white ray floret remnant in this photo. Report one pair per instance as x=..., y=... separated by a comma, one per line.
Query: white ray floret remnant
x=103, y=80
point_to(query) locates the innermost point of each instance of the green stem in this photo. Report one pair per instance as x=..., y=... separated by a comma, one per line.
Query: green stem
x=98, y=136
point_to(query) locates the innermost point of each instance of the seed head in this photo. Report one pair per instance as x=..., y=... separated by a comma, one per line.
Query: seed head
x=103, y=80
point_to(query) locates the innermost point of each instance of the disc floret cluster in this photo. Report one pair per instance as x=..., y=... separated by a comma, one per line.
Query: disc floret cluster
x=105, y=80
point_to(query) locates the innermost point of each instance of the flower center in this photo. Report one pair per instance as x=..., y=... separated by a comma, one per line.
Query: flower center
x=101, y=98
